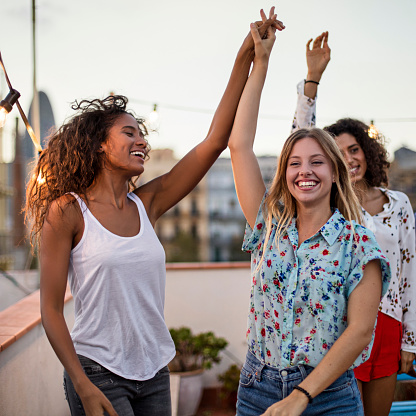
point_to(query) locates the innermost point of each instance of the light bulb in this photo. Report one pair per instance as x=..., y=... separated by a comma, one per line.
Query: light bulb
x=152, y=121
x=153, y=117
x=3, y=116
x=7, y=104
x=372, y=131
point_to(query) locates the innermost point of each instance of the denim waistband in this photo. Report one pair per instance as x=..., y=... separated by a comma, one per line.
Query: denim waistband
x=297, y=372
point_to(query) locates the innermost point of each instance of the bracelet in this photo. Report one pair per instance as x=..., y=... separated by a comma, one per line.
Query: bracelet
x=310, y=80
x=304, y=392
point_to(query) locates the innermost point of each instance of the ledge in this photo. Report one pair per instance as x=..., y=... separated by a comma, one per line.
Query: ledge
x=217, y=265
x=24, y=315
x=20, y=318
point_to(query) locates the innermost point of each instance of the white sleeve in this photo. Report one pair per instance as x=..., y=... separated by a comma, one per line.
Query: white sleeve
x=305, y=115
x=408, y=277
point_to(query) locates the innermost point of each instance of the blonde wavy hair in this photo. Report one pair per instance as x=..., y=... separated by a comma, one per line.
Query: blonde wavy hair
x=281, y=205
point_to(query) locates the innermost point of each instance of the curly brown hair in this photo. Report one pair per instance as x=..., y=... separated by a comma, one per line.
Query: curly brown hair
x=71, y=160
x=373, y=148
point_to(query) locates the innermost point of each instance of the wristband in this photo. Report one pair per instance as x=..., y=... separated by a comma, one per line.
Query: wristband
x=304, y=392
x=310, y=80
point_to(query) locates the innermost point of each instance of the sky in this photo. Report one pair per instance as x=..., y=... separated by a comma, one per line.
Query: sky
x=179, y=55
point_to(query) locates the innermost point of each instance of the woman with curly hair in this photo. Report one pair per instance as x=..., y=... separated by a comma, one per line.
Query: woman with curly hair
x=96, y=232
x=389, y=215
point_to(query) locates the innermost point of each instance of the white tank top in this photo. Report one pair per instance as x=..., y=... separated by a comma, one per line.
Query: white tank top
x=118, y=285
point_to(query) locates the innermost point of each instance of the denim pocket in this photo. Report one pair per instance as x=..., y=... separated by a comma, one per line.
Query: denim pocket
x=341, y=383
x=98, y=375
x=247, y=376
x=162, y=371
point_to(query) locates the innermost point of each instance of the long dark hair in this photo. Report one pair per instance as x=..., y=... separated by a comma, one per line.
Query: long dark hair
x=373, y=148
x=71, y=160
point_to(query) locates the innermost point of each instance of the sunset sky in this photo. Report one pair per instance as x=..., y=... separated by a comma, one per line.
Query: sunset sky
x=179, y=54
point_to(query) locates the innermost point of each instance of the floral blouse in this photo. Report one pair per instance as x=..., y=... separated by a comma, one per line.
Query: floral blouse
x=299, y=295
x=394, y=229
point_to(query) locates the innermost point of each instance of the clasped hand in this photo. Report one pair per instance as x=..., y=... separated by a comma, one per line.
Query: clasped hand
x=264, y=34
x=263, y=43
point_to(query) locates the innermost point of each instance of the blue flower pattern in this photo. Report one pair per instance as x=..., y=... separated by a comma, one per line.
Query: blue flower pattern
x=299, y=295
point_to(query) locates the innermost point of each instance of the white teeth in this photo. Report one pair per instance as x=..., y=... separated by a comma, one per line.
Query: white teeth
x=353, y=170
x=304, y=184
x=137, y=153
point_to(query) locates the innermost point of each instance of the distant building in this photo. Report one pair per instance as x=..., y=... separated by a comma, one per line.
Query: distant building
x=402, y=173
x=47, y=126
x=18, y=176
x=183, y=230
x=226, y=219
x=208, y=224
x=6, y=194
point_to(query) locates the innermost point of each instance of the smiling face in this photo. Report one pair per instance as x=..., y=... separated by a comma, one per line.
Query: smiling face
x=309, y=174
x=353, y=155
x=125, y=148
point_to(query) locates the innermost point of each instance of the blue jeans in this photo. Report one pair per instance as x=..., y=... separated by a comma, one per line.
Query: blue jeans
x=128, y=397
x=261, y=386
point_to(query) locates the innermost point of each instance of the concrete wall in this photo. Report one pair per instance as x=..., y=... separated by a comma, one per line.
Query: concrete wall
x=211, y=300
x=10, y=293
x=31, y=377
x=205, y=299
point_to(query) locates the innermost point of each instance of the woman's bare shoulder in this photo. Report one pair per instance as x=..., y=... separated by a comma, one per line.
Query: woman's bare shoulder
x=64, y=212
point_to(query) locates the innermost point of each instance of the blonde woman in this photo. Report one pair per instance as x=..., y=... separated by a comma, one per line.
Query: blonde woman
x=317, y=275
x=389, y=215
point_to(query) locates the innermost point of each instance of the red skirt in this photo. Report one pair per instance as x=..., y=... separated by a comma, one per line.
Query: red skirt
x=385, y=356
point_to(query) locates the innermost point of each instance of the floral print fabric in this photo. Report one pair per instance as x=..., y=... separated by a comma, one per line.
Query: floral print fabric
x=305, y=114
x=394, y=230
x=298, y=302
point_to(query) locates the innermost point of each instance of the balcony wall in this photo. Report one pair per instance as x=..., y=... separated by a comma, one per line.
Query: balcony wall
x=30, y=373
x=205, y=297
x=211, y=297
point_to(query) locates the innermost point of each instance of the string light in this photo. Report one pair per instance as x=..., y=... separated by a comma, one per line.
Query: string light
x=154, y=115
x=261, y=115
x=6, y=105
x=372, y=131
x=3, y=116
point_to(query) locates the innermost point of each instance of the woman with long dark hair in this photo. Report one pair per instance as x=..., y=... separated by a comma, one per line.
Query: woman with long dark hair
x=96, y=233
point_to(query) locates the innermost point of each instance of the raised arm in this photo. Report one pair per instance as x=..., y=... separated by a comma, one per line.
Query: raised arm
x=58, y=233
x=162, y=193
x=317, y=60
x=362, y=312
x=247, y=176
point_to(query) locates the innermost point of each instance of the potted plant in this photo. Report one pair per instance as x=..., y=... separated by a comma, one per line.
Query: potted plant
x=194, y=354
x=230, y=381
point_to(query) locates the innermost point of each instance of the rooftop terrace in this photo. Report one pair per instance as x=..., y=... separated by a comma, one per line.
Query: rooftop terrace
x=203, y=296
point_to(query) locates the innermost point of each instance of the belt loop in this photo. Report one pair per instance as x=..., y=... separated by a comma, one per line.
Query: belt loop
x=259, y=369
x=303, y=371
